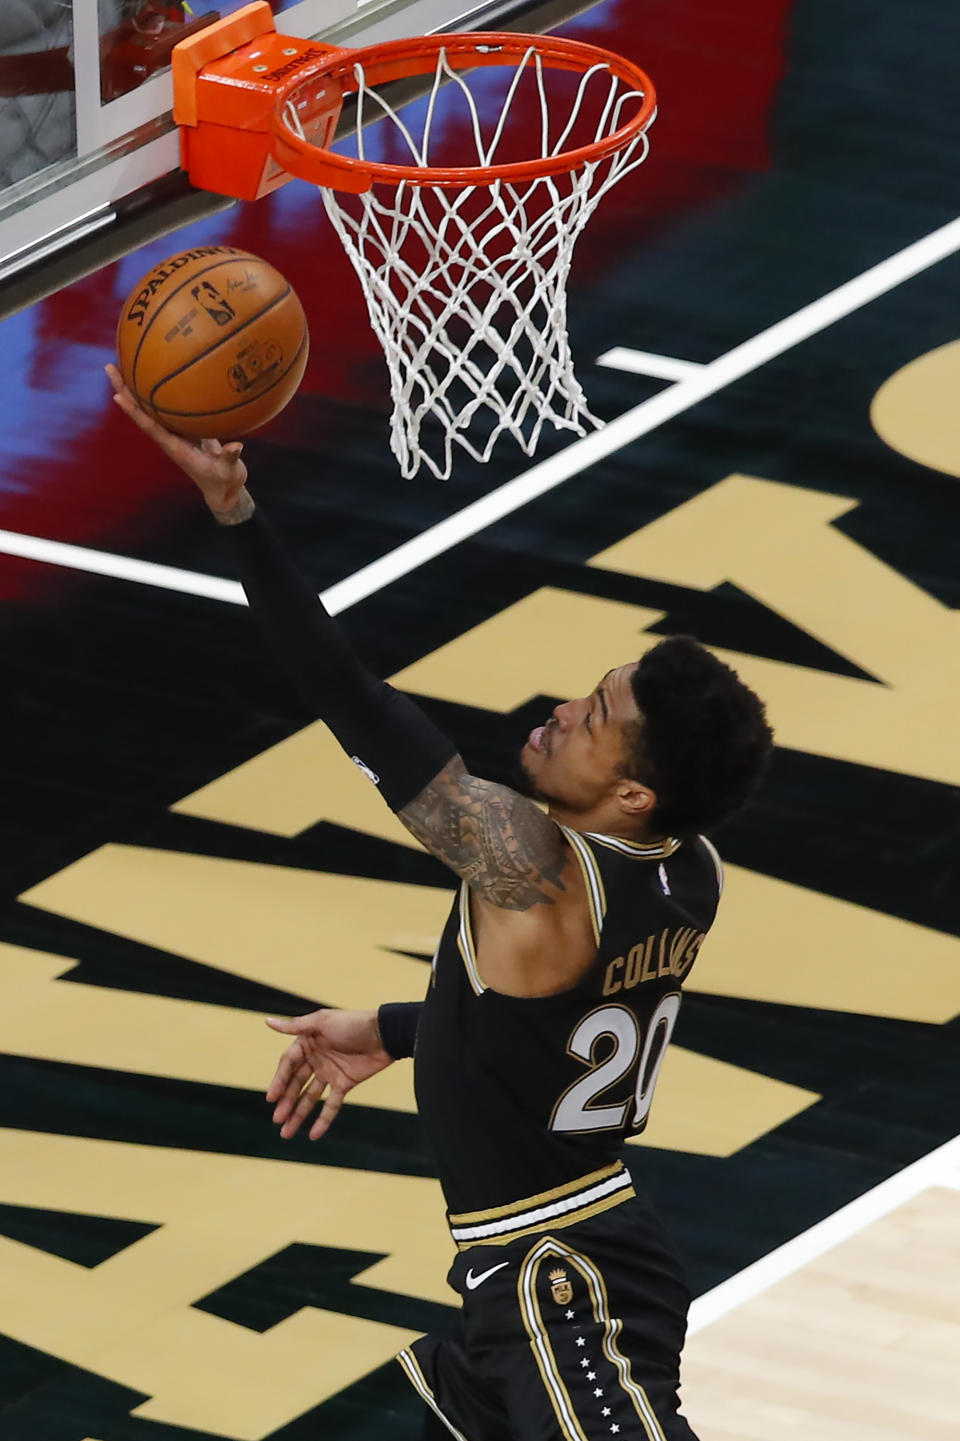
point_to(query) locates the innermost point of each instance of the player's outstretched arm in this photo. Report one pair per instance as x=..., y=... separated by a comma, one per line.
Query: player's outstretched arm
x=380, y=728
x=500, y=843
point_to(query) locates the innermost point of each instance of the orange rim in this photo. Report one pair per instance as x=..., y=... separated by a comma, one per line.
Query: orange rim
x=402, y=59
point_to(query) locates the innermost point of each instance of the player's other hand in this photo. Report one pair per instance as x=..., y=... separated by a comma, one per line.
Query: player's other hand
x=215, y=469
x=333, y=1052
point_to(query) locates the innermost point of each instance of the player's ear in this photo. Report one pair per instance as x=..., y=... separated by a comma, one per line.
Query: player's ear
x=635, y=798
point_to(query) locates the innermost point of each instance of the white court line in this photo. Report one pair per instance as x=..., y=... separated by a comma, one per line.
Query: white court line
x=579, y=456
x=644, y=362
x=121, y=567
x=939, y=1167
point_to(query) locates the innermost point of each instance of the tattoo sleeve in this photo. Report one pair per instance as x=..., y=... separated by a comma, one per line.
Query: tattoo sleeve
x=241, y=511
x=501, y=844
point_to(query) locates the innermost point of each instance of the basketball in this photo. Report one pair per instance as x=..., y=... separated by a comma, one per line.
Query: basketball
x=213, y=342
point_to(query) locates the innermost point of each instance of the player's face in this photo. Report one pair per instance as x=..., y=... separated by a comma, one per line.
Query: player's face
x=575, y=760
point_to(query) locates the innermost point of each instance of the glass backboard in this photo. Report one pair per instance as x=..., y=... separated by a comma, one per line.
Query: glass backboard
x=85, y=98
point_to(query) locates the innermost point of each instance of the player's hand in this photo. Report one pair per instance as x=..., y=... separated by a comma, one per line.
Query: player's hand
x=215, y=469
x=333, y=1052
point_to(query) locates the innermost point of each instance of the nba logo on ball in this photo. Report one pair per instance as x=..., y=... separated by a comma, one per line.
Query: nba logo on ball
x=560, y=1288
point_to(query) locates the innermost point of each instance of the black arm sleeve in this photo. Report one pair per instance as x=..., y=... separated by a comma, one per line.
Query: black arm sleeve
x=380, y=728
x=398, y=1022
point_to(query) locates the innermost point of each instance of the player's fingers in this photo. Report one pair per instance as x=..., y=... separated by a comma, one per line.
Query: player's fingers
x=179, y=450
x=291, y=1025
x=281, y=1084
x=282, y=1024
x=211, y=447
x=233, y=448
x=129, y=406
x=330, y=1112
x=291, y=1093
x=290, y=1062
x=284, y=1097
x=124, y=396
x=116, y=379
x=310, y=1097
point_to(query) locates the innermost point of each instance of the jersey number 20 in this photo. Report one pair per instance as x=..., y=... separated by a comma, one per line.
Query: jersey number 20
x=577, y=1109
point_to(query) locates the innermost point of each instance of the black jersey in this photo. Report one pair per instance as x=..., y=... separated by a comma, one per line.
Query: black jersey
x=520, y=1096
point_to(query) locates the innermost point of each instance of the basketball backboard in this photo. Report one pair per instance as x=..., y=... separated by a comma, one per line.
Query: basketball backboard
x=86, y=134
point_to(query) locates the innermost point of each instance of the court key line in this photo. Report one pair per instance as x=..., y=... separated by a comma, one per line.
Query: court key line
x=644, y=362
x=545, y=476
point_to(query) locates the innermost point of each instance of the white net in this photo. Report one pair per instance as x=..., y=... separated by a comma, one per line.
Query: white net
x=467, y=287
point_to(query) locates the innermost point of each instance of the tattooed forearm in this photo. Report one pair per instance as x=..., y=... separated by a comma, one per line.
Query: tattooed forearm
x=238, y=513
x=502, y=845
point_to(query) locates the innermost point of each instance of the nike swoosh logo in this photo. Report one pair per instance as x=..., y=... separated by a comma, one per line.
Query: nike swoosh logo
x=473, y=1281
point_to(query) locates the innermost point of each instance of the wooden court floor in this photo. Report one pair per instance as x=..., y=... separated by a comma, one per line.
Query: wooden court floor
x=863, y=1341
x=183, y=850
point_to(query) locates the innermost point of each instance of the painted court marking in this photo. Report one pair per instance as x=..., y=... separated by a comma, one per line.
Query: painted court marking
x=706, y=380
x=121, y=567
x=938, y=1168
x=643, y=362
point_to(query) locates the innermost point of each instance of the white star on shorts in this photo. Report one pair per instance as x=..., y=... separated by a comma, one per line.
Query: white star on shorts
x=591, y=1375
x=584, y=1362
x=605, y=1411
x=570, y=1315
x=581, y=1341
x=614, y=1429
x=597, y=1391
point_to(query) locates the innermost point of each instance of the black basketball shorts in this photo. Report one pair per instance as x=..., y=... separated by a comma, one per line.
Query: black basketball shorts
x=567, y=1334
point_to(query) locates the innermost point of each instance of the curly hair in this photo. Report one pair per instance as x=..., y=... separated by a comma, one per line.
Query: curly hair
x=703, y=741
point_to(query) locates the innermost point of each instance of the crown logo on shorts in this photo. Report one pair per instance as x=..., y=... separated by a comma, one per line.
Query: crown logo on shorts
x=561, y=1289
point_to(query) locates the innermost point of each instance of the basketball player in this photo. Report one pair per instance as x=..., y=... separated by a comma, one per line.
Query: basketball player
x=553, y=995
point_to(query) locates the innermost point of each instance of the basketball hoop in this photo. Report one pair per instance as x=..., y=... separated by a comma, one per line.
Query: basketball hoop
x=463, y=265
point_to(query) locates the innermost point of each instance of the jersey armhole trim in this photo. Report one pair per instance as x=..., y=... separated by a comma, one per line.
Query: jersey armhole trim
x=592, y=880
x=465, y=942
x=717, y=863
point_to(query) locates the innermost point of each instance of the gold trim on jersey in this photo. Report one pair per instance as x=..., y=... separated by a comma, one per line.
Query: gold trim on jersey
x=465, y=942
x=657, y=852
x=563, y=1206
x=420, y=1384
x=717, y=862
x=592, y=880
x=550, y=1248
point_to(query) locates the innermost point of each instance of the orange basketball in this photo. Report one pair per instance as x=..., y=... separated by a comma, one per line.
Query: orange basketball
x=213, y=342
